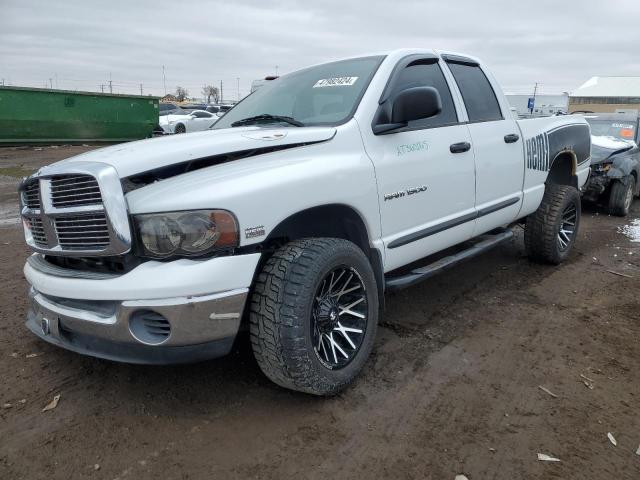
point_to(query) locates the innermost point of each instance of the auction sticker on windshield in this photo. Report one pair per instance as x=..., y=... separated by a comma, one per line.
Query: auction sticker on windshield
x=335, y=82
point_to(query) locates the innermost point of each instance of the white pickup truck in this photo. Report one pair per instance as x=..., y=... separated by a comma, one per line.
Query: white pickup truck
x=294, y=214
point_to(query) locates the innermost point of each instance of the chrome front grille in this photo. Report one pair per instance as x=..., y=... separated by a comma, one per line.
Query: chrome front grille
x=83, y=232
x=74, y=191
x=37, y=231
x=76, y=210
x=31, y=195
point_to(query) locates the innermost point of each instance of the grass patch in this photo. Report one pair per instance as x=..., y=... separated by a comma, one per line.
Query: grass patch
x=16, y=172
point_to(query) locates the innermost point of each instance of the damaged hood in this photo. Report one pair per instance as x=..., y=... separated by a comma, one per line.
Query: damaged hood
x=151, y=154
x=603, y=148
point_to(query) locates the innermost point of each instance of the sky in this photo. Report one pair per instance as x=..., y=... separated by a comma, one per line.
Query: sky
x=83, y=44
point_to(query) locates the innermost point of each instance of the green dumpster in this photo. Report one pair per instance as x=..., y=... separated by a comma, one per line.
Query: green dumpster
x=38, y=115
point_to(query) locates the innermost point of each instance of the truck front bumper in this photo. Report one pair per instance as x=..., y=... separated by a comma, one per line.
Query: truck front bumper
x=159, y=313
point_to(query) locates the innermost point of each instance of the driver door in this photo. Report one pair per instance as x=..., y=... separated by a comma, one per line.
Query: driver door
x=425, y=171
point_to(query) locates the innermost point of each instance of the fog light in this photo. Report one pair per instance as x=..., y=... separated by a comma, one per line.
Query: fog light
x=149, y=327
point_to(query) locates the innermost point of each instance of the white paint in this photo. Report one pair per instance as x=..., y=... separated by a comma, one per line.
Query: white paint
x=154, y=280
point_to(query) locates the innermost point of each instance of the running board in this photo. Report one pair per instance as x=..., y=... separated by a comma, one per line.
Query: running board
x=419, y=274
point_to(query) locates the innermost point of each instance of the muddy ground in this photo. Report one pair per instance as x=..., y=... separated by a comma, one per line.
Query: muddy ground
x=453, y=386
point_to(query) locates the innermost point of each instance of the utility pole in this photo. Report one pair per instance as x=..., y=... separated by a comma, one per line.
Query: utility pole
x=238, y=79
x=110, y=84
x=3, y=82
x=51, y=83
x=102, y=87
x=221, y=97
x=276, y=70
x=532, y=105
x=164, y=80
x=140, y=89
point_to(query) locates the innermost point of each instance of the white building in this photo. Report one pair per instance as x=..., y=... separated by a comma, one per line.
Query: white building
x=607, y=95
x=543, y=105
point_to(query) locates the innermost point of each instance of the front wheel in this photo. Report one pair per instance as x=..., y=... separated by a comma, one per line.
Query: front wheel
x=314, y=314
x=621, y=196
x=551, y=231
x=180, y=128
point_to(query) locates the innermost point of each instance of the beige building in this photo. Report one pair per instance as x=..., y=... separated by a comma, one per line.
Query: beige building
x=606, y=95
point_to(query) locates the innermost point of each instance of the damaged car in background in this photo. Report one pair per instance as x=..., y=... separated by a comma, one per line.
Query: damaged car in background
x=615, y=161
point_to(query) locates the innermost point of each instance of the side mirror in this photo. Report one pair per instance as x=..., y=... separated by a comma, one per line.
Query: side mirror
x=415, y=104
x=411, y=104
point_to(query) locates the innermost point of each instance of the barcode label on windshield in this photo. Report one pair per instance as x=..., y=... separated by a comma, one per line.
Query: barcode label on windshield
x=336, y=82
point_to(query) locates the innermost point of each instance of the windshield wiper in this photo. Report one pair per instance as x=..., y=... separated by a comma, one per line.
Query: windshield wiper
x=268, y=118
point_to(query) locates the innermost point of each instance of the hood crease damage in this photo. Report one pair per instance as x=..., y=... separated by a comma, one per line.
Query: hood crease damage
x=142, y=179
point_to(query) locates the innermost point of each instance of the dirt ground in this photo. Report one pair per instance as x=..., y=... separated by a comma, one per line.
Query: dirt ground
x=453, y=385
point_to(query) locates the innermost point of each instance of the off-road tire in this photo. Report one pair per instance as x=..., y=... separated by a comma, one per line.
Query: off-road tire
x=180, y=128
x=281, y=312
x=543, y=226
x=621, y=196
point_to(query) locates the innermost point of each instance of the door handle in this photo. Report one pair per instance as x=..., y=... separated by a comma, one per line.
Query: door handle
x=460, y=147
x=511, y=138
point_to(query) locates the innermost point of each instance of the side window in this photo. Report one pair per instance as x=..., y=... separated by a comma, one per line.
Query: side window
x=427, y=74
x=479, y=98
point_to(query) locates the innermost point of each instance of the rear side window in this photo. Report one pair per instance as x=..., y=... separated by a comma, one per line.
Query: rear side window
x=479, y=98
x=427, y=74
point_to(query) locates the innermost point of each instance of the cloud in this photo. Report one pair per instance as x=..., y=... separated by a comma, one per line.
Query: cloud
x=82, y=43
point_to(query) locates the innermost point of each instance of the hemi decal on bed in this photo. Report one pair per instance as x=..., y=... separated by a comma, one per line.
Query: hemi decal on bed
x=542, y=149
x=538, y=152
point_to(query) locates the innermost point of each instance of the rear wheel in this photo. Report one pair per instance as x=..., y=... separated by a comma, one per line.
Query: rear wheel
x=621, y=196
x=551, y=231
x=180, y=128
x=313, y=316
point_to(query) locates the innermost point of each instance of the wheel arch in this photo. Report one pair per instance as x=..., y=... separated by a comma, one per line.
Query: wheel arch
x=563, y=169
x=334, y=220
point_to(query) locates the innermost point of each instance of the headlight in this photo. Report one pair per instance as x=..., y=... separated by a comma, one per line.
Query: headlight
x=186, y=233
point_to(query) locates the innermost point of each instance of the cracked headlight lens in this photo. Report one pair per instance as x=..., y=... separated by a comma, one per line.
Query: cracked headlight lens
x=186, y=233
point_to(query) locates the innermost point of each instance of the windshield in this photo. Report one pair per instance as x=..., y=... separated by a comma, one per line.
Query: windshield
x=323, y=95
x=623, y=130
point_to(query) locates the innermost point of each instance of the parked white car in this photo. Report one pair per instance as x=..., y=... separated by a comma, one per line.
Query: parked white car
x=294, y=214
x=195, y=121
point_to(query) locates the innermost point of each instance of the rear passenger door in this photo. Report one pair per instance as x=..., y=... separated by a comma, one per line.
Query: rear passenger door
x=497, y=146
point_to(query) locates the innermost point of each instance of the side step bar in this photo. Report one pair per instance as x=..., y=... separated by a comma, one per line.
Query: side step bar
x=422, y=273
